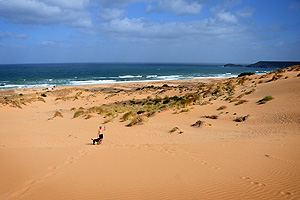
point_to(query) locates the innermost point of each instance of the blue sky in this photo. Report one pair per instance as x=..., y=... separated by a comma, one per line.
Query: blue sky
x=189, y=31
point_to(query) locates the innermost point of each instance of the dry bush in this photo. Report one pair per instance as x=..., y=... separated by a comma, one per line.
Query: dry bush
x=251, y=91
x=58, y=114
x=241, y=102
x=108, y=120
x=127, y=116
x=233, y=99
x=241, y=95
x=89, y=116
x=138, y=120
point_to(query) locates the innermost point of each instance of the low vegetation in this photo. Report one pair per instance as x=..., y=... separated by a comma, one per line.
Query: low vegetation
x=265, y=99
x=222, y=107
x=241, y=102
x=78, y=113
x=138, y=120
x=58, y=114
x=246, y=74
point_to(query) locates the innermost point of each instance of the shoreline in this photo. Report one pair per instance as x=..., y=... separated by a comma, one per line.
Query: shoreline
x=119, y=84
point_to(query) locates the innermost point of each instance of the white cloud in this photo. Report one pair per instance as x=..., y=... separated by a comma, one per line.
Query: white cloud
x=246, y=12
x=45, y=12
x=108, y=14
x=7, y=34
x=141, y=28
x=222, y=12
x=179, y=7
x=68, y=4
x=115, y=3
x=227, y=17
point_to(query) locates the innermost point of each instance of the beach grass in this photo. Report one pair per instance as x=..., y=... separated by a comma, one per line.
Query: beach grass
x=265, y=99
x=58, y=114
x=78, y=113
x=241, y=102
x=222, y=107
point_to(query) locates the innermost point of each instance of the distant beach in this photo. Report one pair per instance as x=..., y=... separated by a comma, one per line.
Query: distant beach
x=48, y=75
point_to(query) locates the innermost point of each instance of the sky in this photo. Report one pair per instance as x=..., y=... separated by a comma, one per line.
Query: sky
x=177, y=31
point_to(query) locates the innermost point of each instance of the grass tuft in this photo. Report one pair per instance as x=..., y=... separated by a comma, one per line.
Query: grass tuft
x=58, y=114
x=127, y=116
x=108, y=120
x=222, y=107
x=78, y=113
x=174, y=129
x=265, y=99
x=241, y=102
x=138, y=120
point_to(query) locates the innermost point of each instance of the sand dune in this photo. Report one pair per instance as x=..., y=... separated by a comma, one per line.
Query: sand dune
x=47, y=157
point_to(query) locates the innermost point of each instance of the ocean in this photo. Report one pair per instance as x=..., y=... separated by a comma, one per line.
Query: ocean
x=47, y=75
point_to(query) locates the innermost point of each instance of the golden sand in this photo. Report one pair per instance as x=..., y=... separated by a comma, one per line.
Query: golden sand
x=47, y=153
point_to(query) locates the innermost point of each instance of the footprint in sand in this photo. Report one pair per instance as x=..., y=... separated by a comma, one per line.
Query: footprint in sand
x=245, y=178
x=203, y=163
x=83, y=153
x=285, y=193
x=19, y=192
x=69, y=161
x=50, y=174
x=261, y=184
x=52, y=168
x=254, y=182
x=215, y=167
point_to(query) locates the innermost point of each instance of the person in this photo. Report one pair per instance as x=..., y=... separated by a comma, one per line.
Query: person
x=100, y=134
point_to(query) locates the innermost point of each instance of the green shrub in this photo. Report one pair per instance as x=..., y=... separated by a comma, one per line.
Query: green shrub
x=222, y=107
x=246, y=74
x=265, y=99
x=78, y=113
x=140, y=112
x=249, y=92
x=166, y=101
x=174, y=129
x=43, y=95
x=185, y=110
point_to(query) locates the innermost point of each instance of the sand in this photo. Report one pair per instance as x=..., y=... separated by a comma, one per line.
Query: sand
x=47, y=157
